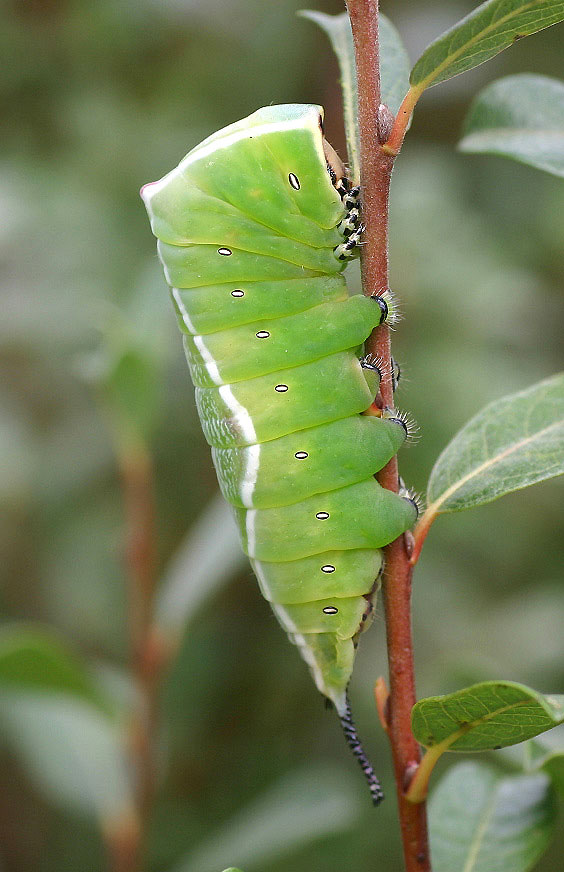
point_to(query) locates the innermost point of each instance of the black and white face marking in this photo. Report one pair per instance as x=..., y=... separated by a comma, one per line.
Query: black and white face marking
x=224, y=251
x=322, y=516
x=294, y=181
x=281, y=389
x=301, y=455
x=262, y=334
x=330, y=610
x=328, y=568
x=237, y=293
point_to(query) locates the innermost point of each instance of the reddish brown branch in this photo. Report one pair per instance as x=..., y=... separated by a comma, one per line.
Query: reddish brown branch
x=376, y=168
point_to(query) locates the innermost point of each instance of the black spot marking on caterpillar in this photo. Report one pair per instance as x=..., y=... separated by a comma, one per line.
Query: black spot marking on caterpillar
x=330, y=610
x=224, y=251
x=237, y=293
x=301, y=455
x=262, y=334
x=294, y=181
x=328, y=568
x=322, y=516
x=281, y=389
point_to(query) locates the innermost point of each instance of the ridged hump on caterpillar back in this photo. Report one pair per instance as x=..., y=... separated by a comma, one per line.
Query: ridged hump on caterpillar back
x=271, y=167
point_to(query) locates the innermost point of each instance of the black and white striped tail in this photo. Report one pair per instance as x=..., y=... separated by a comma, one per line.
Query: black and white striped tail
x=354, y=743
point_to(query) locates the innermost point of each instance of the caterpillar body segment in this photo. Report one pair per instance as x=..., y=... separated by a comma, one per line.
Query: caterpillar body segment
x=240, y=353
x=330, y=462
x=254, y=229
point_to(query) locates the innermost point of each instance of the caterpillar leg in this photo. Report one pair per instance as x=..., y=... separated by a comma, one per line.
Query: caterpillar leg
x=354, y=743
x=347, y=249
x=351, y=226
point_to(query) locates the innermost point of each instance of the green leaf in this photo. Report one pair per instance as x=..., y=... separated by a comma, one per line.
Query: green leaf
x=394, y=71
x=483, y=822
x=512, y=443
x=546, y=753
x=33, y=659
x=486, y=716
x=553, y=765
x=481, y=35
x=208, y=558
x=520, y=117
x=71, y=751
x=300, y=808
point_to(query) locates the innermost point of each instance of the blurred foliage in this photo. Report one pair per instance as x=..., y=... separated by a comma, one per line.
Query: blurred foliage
x=99, y=98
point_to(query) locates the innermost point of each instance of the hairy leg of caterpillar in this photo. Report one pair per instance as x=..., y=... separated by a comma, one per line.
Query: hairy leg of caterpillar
x=354, y=743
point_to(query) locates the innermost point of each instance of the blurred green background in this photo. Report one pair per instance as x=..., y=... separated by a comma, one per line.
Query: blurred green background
x=98, y=98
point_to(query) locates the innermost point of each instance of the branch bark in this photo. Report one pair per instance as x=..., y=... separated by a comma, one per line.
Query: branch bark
x=376, y=168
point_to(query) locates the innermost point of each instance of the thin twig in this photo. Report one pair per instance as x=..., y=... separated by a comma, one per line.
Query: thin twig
x=376, y=168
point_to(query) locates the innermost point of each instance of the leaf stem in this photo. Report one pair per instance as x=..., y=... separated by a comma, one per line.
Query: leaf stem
x=420, y=533
x=417, y=791
x=376, y=168
x=399, y=127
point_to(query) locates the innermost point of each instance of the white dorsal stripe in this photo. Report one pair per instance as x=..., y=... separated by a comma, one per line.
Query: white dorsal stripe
x=210, y=363
x=243, y=419
x=182, y=310
x=251, y=535
x=249, y=481
x=267, y=592
x=309, y=658
x=284, y=618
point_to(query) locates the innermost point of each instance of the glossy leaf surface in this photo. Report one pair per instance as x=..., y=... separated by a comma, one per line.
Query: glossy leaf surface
x=485, y=716
x=489, y=29
x=520, y=117
x=513, y=442
x=34, y=659
x=482, y=822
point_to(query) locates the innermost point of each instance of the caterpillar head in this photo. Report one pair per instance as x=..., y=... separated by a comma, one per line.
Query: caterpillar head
x=336, y=168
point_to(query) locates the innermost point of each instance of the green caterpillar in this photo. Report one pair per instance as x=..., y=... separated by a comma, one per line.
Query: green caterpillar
x=254, y=229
